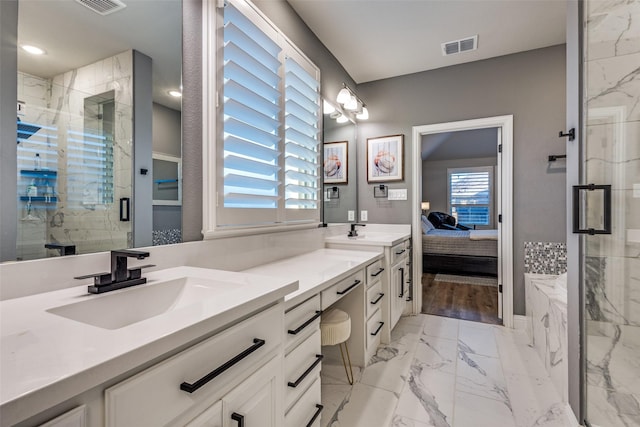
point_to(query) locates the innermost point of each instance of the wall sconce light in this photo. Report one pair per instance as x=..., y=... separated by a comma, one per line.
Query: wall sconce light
x=425, y=207
x=348, y=99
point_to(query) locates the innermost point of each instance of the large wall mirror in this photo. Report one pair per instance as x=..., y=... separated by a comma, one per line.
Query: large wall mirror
x=339, y=166
x=96, y=83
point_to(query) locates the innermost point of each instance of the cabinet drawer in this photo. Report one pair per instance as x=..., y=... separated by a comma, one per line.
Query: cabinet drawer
x=301, y=321
x=135, y=401
x=398, y=252
x=374, y=330
x=301, y=366
x=375, y=298
x=374, y=272
x=307, y=411
x=340, y=289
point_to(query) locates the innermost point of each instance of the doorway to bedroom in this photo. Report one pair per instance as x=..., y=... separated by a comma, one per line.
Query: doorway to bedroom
x=462, y=195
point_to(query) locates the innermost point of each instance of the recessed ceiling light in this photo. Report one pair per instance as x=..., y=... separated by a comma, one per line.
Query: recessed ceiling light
x=175, y=93
x=34, y=50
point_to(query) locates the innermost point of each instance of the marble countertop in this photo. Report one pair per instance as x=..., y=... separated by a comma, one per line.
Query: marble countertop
x=370, y=238
x=316, y=271
x=46, y=359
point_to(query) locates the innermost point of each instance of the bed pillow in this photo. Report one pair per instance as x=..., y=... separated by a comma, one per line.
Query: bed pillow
x=426, y=225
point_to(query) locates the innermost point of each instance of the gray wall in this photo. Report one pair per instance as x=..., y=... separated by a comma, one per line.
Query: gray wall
x=434, y=180
x=336, y=211
x=8, y=129
x=529, y=85
x=166, y=130
x=167, y=217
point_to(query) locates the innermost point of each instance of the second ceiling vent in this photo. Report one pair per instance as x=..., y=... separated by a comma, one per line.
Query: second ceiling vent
x=103, y=7
x=459, y=46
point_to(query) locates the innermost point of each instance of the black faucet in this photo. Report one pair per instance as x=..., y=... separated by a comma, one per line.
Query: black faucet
x=354, y=232
x=120, y=276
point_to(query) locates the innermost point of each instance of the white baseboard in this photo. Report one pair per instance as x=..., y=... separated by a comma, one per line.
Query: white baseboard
x=519, y=322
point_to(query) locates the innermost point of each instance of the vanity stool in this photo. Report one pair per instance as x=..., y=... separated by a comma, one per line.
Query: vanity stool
x=335, y=328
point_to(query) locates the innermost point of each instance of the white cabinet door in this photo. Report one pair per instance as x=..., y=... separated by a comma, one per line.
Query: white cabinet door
x=212, y=417
x=75, y=418
x=257, y=402
x=398, y=292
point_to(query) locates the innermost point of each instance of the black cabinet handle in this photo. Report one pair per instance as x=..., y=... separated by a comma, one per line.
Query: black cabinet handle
x=378, y=330
x=606, y=189
x=377, y=273
x=125, y=209
x=239, y=418
x=401, y=283
x=295, y=384
x=316, y=415
x=190, y=388
x=297, y=330
x=401, y=252
x=377, y=300
x=356, y=283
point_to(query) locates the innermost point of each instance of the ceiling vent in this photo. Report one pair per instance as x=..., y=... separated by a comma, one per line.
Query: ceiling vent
x=459, y=46
x=103, y=7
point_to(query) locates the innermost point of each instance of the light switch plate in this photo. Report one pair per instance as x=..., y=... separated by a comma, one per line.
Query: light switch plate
x=364, y=216
x=397, y=194
x=351, y=215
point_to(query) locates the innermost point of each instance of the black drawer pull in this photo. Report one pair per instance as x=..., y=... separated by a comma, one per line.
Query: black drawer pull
x=377, y=300
x=190, y=388
x=377, y=273
x=297, y=330
x=401, y=252
x=239, y=418
x=401, y=283
x=316, y=415
x=319, y=358
x=378, y=330
x=356, y=283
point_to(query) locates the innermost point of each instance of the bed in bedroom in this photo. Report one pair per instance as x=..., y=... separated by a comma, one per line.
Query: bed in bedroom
x=473, y=252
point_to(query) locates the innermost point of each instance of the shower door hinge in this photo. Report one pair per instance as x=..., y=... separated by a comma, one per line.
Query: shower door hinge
x=500, y=288
x=500, y=218
x=499, y=148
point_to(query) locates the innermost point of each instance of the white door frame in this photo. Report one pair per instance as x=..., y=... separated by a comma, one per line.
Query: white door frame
x=505, y=229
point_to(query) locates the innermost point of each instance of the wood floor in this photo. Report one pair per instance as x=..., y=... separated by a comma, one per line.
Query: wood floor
x=460, y=301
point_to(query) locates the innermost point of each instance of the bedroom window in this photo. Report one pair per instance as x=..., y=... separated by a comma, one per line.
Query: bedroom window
x=470, y=193
x=270, y=122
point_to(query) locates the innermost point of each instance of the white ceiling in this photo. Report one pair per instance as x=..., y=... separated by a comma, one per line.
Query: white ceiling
x=74, y=36
x=377, y=39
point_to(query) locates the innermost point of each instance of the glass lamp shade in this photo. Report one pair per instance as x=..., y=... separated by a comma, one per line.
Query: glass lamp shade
x=343, y=96
x=327, y=108
x=351, y=104
x=342, y=119
x=425, y=206
x=364, y=115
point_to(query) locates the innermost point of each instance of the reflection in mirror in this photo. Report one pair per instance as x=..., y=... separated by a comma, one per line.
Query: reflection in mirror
x=340, y=176
x=92, y=104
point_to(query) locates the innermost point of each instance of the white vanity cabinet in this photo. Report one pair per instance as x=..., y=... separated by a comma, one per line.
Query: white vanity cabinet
x=303, y=361
x=400, y=280
x=75, y=418
x=239, y=368
x=375, y=300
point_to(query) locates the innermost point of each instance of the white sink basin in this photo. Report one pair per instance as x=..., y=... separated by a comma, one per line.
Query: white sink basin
x=131, y=305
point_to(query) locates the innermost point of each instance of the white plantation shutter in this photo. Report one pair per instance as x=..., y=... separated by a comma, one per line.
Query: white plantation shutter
x=269, y=121
x=302, y=101
x=470, y=195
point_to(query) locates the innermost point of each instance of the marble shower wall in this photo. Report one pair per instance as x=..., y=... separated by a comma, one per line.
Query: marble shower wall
x=83, y=213
x=612, y=262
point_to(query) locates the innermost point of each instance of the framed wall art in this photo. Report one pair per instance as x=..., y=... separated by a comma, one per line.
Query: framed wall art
x=336, y=162
x=385, y=158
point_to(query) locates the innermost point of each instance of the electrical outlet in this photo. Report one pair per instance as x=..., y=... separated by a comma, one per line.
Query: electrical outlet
x=351, y=215
x=364, y=216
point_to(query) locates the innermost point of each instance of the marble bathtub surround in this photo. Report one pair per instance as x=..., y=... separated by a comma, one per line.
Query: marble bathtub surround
x=442, y=372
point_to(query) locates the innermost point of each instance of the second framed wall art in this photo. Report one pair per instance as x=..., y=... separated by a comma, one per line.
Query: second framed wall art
x=385, y=158
x=336, y=162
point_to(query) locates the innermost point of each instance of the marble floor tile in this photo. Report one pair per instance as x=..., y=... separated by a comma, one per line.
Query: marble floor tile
x=366, y=407
x=333, y=399
x=389, y=367
x=477, y=411
x=535, y=401
x=482, y=376
x=428, y=397
x=443, y=327
x=400, y=421
x=333, y=373
x=438, y=354
x=478, y=338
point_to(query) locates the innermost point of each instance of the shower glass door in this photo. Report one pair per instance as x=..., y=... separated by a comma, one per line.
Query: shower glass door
x=611, y=262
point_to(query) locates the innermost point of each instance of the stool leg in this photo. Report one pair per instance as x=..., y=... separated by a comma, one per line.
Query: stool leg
x=349, y=378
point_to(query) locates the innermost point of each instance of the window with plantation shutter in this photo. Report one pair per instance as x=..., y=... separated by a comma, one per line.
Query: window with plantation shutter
x=471, y=195
x=268, y=125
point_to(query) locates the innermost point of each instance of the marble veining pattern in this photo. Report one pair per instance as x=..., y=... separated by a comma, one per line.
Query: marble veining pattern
x=458, y=374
